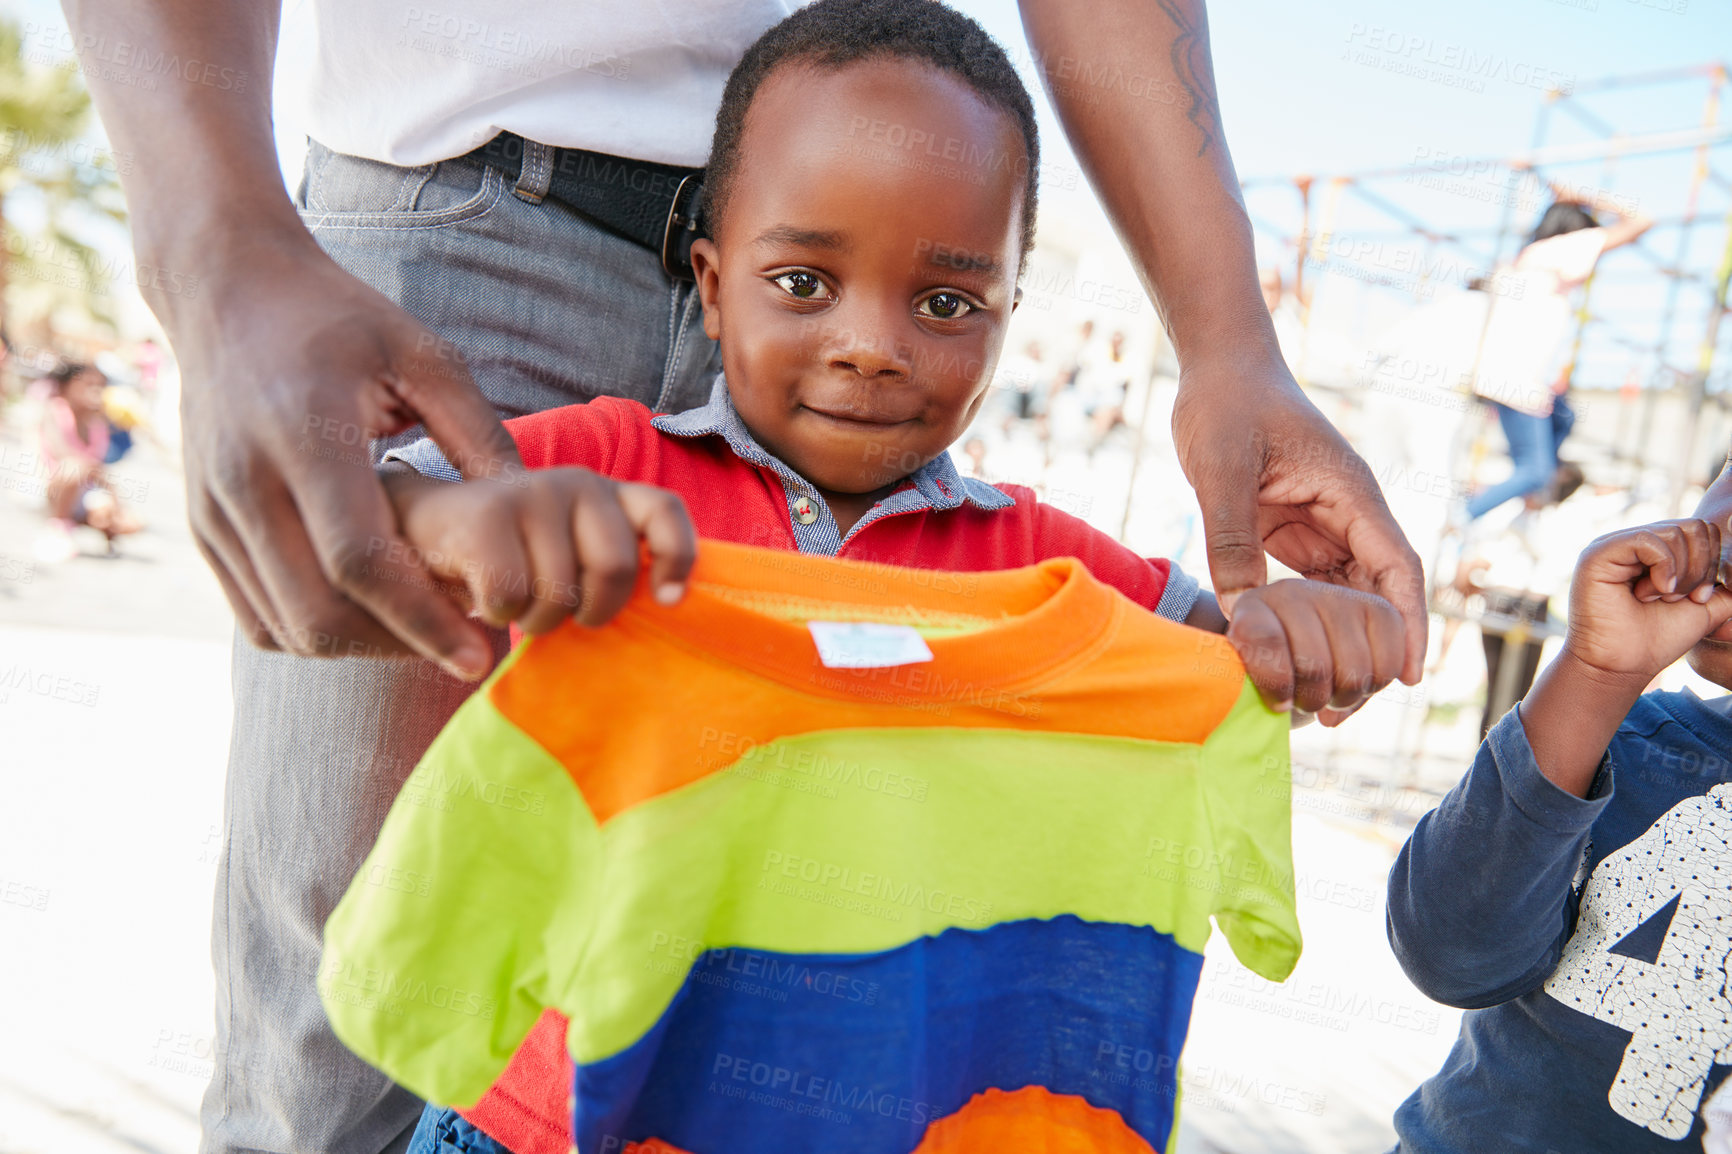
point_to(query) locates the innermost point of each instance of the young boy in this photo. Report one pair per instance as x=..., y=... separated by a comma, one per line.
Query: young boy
x=869, y=200
x=1574, y=891
x=75, y=446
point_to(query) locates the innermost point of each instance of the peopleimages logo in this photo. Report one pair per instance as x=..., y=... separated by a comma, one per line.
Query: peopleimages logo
x=757, y=972
x=109, y=59
x=41, y=153
x=799, y=1085
x=385, y=991
x=1451, y=64
x=951, y=149
x=770, y=759
x=1330, y=250
x=25, y=679
x=518, y=50
x=878, y=886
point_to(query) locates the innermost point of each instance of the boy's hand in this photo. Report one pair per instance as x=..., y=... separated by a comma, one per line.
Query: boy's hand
x=1317, y=647
x=1642, y=597
x=545, y=545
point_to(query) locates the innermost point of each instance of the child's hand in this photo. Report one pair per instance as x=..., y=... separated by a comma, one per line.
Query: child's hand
x=547, y=544
x=1642, y=597
x=1317, y=647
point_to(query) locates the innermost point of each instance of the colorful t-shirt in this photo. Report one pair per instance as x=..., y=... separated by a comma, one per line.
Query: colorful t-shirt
x=736, y=490
x=793, y=905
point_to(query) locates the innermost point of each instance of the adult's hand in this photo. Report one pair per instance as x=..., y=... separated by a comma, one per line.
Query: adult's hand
x=1271, y=474
x=288, y=372
x=1134, y=86
x=288, y=363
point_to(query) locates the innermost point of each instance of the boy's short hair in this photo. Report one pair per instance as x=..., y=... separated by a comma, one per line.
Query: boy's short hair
x=833, y=33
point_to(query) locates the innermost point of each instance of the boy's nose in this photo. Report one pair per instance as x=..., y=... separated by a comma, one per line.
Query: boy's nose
x=870, y=349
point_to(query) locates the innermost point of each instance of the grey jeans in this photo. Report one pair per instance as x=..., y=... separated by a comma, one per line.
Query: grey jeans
x=548, y=310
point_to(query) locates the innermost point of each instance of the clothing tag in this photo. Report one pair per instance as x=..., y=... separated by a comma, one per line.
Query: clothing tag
x=867, y=644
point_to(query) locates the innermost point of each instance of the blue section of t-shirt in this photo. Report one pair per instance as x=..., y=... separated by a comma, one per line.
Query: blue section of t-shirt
x=1484, y=900
x=769, y=1053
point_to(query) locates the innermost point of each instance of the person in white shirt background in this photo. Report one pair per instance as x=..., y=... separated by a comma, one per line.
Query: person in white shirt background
x=1103, y=382
x=1523, y=361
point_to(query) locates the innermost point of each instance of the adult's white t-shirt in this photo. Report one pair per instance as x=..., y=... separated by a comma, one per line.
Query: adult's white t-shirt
x=413, y=83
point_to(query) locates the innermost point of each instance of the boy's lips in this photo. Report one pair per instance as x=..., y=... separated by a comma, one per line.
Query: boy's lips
x=859, y=416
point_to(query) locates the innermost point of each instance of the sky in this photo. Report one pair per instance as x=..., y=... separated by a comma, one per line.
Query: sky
x=1328, y=87
x=1294, y=99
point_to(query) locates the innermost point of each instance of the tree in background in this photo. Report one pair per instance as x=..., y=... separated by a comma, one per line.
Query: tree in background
x=56, y=189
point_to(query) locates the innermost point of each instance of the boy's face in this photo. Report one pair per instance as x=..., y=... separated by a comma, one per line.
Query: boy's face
x=866, y=266
x=1712, y=656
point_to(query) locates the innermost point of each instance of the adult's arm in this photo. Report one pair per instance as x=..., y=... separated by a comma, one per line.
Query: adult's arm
x=289, y=364
x=1135, y=90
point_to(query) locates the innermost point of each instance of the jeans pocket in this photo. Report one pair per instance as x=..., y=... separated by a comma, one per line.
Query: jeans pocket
x=341, y=191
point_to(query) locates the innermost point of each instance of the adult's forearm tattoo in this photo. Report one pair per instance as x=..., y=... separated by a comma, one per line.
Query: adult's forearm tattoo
x=1190, y=57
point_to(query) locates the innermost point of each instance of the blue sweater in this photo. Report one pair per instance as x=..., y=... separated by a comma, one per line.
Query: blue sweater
x=1586, y=938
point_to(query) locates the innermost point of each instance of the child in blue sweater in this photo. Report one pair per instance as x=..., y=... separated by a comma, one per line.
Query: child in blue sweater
x=1574, y=891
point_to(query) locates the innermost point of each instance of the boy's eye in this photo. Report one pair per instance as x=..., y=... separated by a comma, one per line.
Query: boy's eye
x=803, y=285
x=945, y=306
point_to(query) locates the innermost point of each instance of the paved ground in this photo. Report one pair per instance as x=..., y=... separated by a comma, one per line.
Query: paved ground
x=113, y=720
x=114, y=711
x=105, y=889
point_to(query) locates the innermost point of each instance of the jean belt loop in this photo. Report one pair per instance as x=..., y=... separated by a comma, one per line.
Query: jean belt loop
x=536, y=176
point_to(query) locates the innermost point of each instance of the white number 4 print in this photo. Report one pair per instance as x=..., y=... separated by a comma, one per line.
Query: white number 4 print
x=1676, y=1006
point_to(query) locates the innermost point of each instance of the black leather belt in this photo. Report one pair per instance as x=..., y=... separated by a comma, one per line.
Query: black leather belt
x=655, y=205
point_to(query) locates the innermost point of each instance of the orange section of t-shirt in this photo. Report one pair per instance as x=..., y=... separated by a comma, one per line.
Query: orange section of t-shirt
x=680, y=693
x=1032, y=1120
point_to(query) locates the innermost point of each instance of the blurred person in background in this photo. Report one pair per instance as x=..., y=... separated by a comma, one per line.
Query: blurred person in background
x=1283, y=313
x=1523, y=373
x=975, y=450
x=76, y=442
x=1269, y=280
x=126, y=409
x=1103, y=382
x=492, y=221
x=148, y=358
x=1508, y=584
x=1524, y=359
x=1025, y=383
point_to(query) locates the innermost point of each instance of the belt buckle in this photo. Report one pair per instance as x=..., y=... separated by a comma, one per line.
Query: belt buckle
x=678, y=234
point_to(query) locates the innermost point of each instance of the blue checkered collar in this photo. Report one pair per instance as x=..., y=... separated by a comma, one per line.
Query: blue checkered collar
x=937, y=483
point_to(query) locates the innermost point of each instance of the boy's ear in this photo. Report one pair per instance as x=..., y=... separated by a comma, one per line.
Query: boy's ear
x=707, y=271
